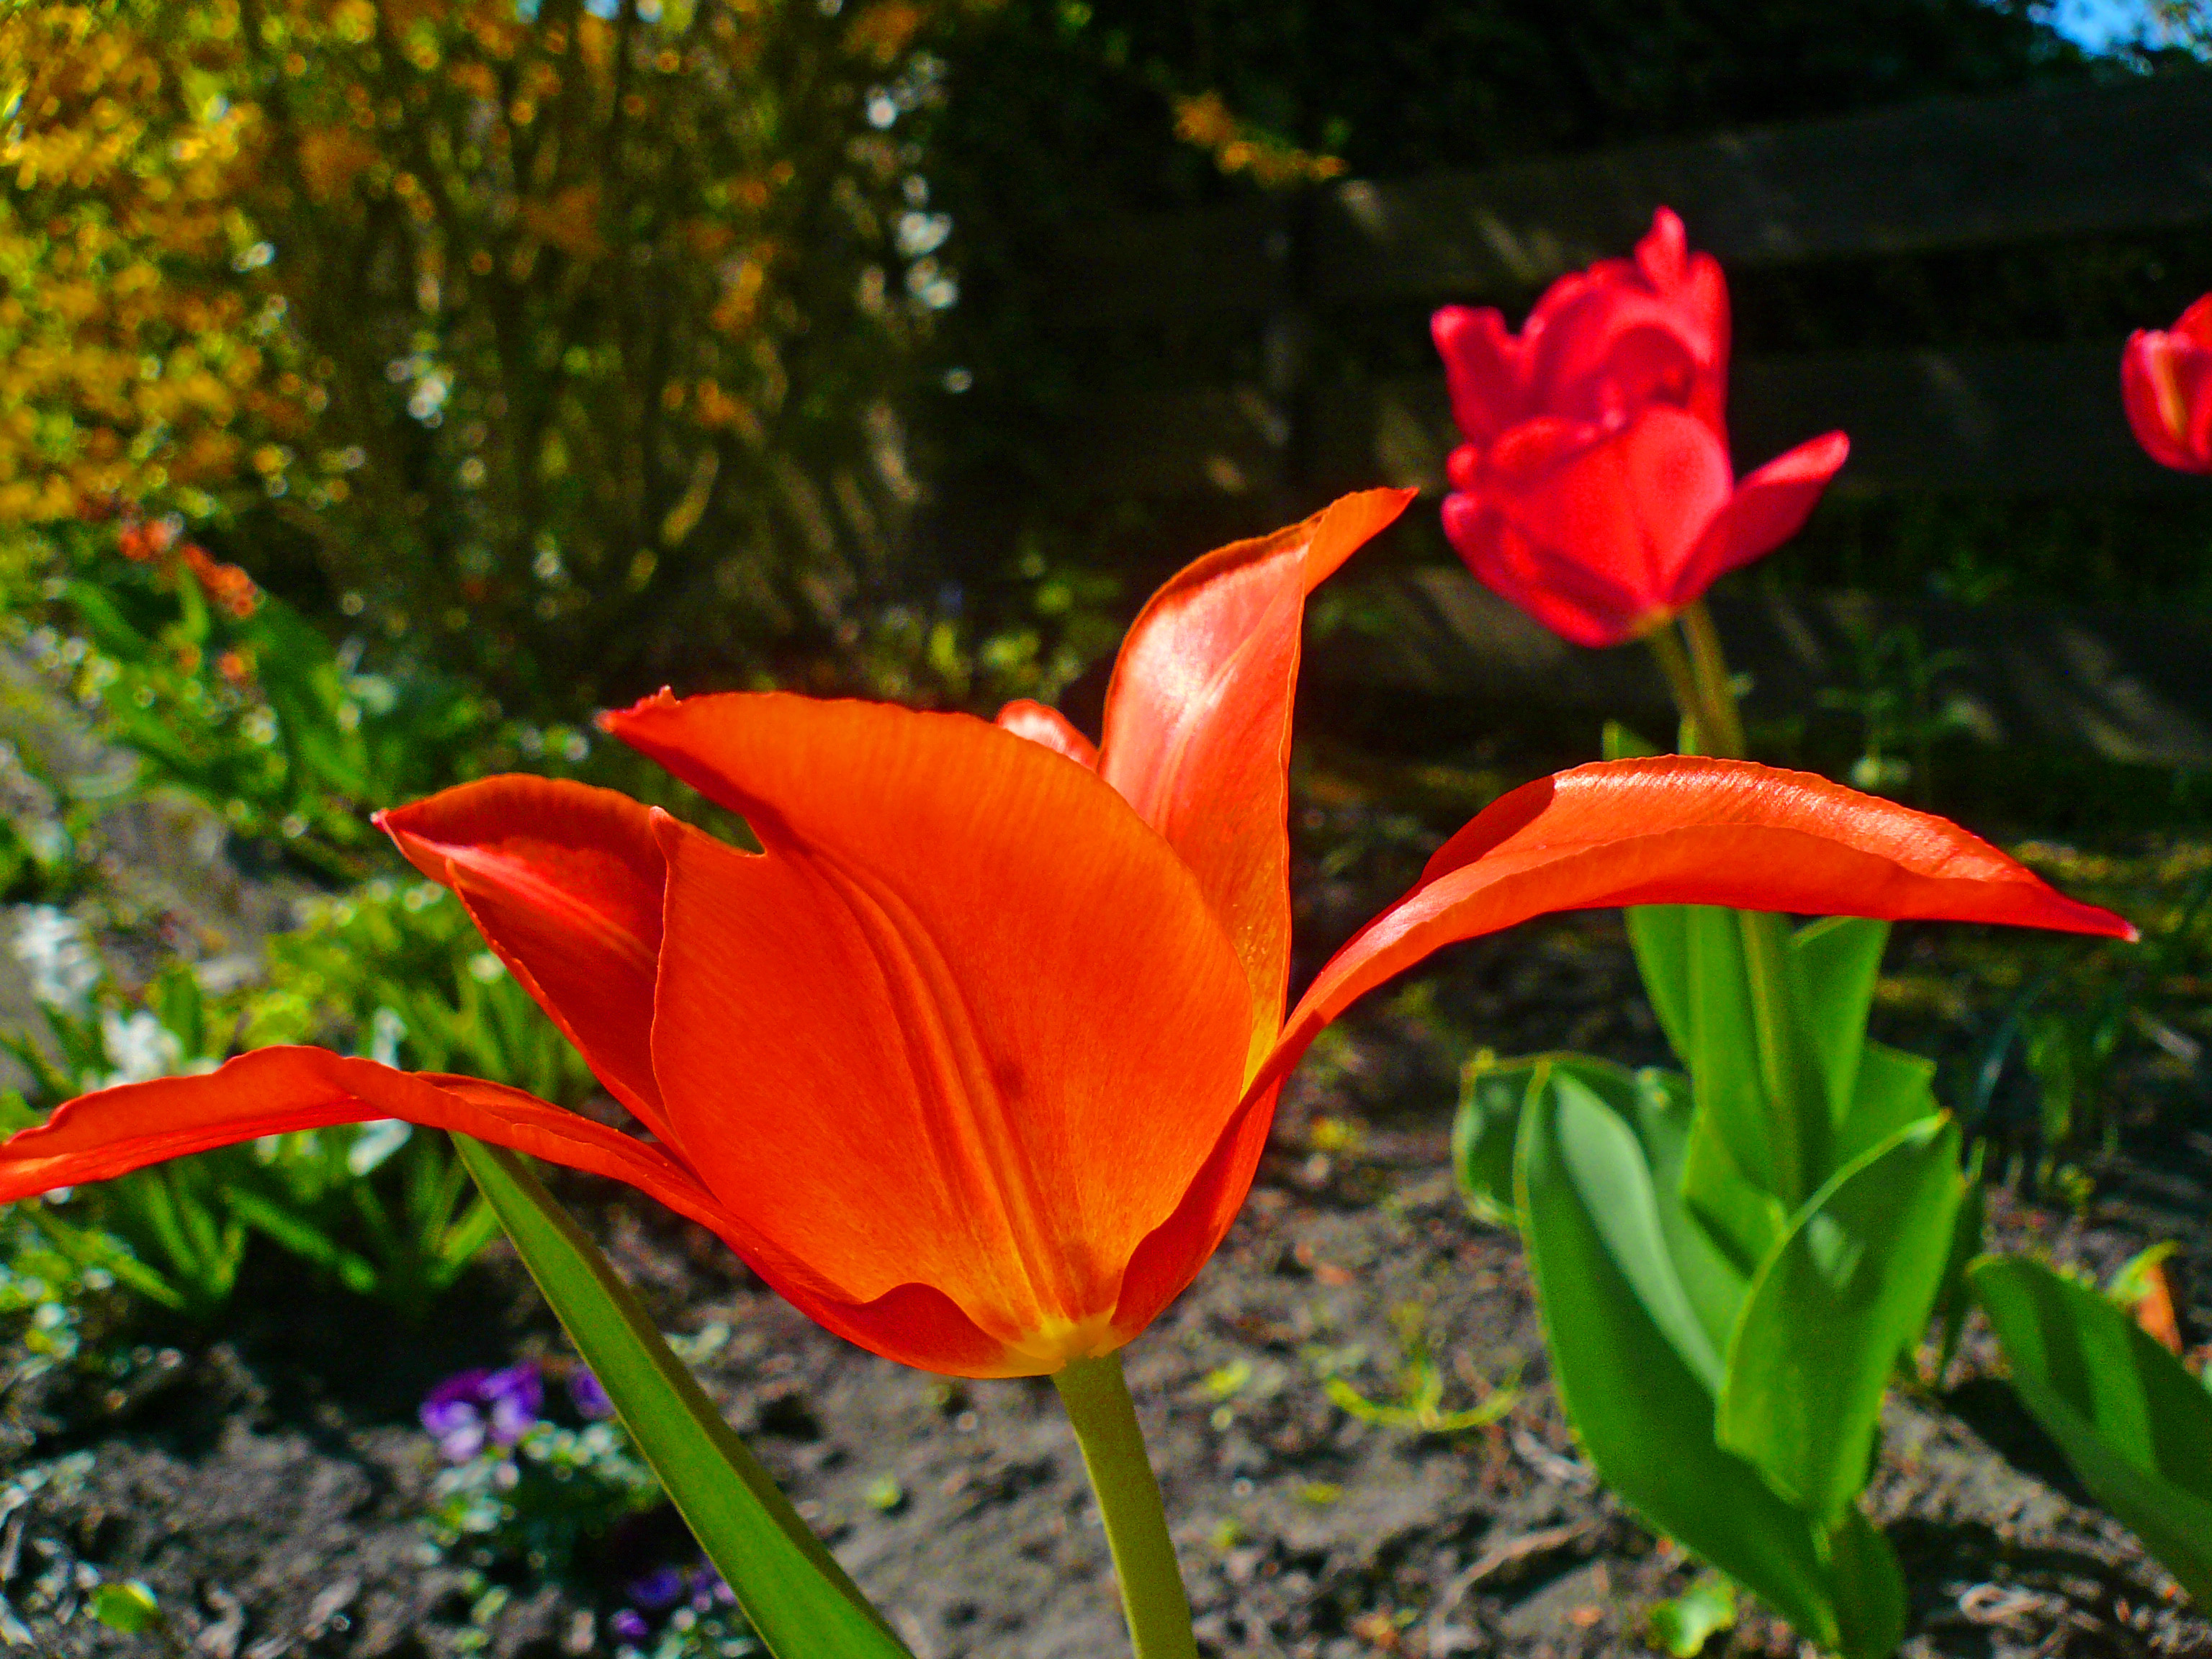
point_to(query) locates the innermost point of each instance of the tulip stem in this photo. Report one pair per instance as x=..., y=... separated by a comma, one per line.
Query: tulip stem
x=1667, y=646
x=1715, y=692
x=1105, y=1420
x=1795, y=1096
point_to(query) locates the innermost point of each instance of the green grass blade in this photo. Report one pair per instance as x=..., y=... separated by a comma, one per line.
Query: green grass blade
x=798, y=1598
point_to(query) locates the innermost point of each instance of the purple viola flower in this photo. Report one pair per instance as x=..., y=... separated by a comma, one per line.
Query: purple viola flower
x=657, y=1589
x=588, y=1394
x=467, y=1410
x=628, y=1625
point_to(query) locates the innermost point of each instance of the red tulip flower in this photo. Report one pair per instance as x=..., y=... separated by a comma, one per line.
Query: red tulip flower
x=974, y=1060
x=2165, y=380
x=1595, y=490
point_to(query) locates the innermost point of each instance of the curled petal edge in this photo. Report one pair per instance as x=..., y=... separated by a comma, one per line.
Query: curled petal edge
x=1680, y=830
x=276, y=1091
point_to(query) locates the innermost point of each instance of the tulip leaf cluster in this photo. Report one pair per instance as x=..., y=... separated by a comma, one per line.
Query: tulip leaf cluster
x=1734, y=1260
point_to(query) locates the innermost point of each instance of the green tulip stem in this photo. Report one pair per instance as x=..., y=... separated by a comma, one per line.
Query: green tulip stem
x=1793, y=1086
x=1674, y=663
x=1152, y=1595
x=1715, y=693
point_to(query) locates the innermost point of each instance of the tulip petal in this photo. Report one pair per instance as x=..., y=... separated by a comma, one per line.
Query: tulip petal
x=1577, y=603
x=2166, y=385
x=99, y=1136
x=565, y=882
x=1198, y=722
x=1676, y=831
x=1588, y=526
x=966, y=1023
x=1049, y=726
x=1172, y=1252
x=1486, y=370
x=1768, y=508
x=1626, y=333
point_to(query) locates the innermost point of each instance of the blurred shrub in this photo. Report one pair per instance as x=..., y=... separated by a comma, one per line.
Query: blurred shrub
x=399, y=968
x=224, y=692
x=564, y=340
x=395, y=970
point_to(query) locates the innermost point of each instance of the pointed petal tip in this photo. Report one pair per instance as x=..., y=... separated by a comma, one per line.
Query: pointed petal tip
x=610, y=720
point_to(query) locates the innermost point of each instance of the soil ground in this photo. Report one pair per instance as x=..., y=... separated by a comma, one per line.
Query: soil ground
x=268, y=1486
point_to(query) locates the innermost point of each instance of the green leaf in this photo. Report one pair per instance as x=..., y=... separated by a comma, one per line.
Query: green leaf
x=2135, y=1425
x=1723, y=1057
x=798, y=1599
x=1892, y=1089
x=1847, y=1288
x=1601, y=1156
x=1644, y=1416
x=1659, y=934
x=1622, y=743
x=1868, y=1588
x=1657, y=1104
x=1741, y=1216
x=1484, y=1129
x=128, y=1606
x=1684, y=1624
x=1836, y=961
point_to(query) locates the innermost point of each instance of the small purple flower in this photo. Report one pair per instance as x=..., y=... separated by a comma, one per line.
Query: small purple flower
x=658, y=1588
x=707, y=1589
x=588, y=1395
x=628, y=1625
x=465, y=1410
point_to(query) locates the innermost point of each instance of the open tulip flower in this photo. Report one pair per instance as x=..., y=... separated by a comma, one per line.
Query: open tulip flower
x=2165, y=380
x=974, y=1060
x=1595, y=490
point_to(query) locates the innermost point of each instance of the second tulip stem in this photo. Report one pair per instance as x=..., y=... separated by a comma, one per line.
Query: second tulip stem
x=1105, y=1421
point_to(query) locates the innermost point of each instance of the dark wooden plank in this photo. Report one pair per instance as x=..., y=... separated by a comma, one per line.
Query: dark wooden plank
x=2001, y=419
x=2051, y=160
x=2054, y=161
x=2126, y=684
x=1224, y=442
x=1231, y=258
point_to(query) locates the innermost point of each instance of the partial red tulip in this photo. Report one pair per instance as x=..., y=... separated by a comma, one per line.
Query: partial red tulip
x=1595, y=490
x=974, y=1061
x=1603, y=534
x=2165, y=380
x=1600, y=345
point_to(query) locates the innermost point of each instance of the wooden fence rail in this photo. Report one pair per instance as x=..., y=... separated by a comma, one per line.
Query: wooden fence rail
x=1954, y=173
x=2052, y=161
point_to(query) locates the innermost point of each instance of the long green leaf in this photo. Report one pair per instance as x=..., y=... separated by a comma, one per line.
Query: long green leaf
x=1643, y=1415
x=798, y=1598
x=1484, y=1130
x=1844, y=1291
x=1836, y=961
x=1892, y=1089
x=2135, y=1425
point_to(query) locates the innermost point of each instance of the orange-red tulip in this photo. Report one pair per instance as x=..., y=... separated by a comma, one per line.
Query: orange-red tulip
x=2165, y=381
x=974, y=1060
x=1595, y=490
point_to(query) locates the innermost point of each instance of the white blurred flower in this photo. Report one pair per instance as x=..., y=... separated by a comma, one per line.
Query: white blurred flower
x=917, y=234
x=139, y=1048
x=376, y=1142
x=386, y=1030
x=57, y=952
